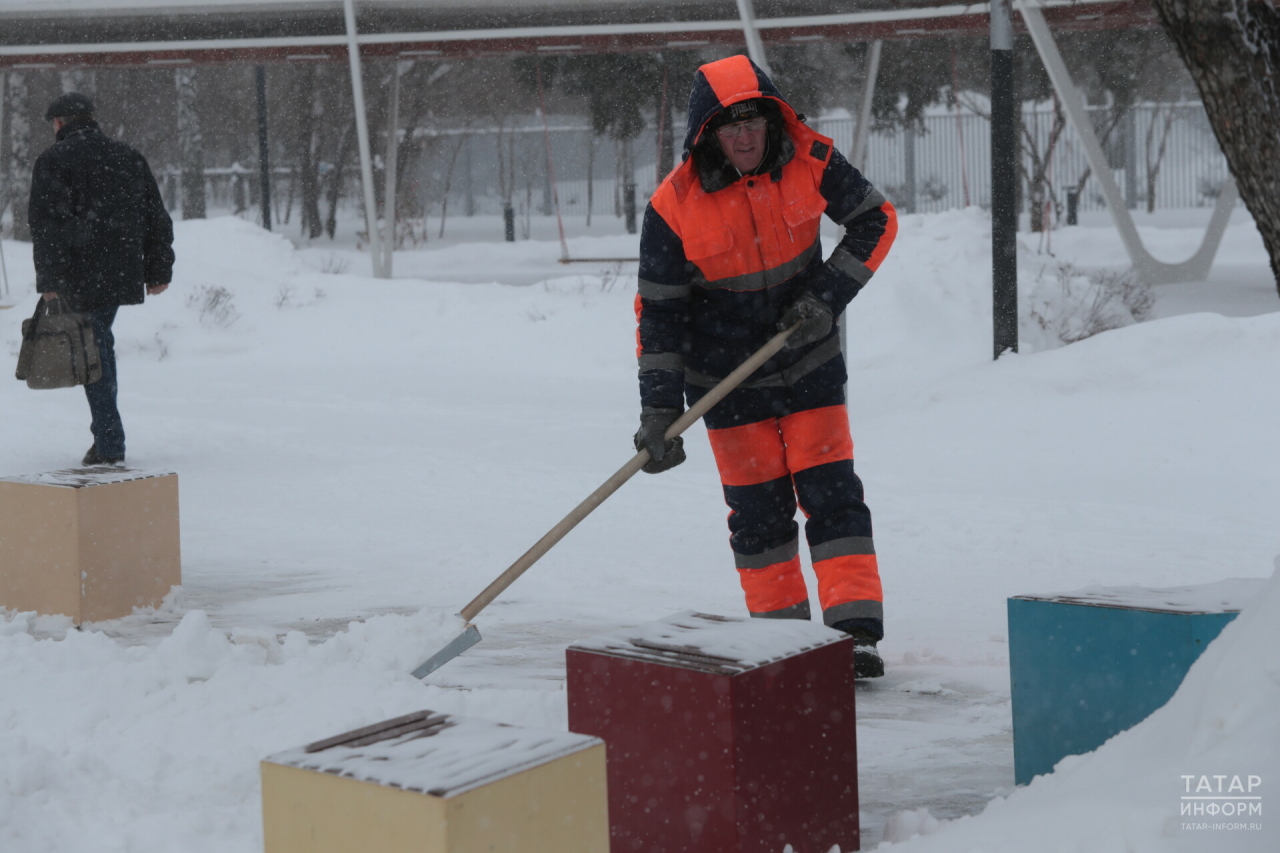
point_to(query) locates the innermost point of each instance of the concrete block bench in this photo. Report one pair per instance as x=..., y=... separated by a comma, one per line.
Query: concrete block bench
x=434, y=783
x=723, y=734
x=89, y=543
x=1087, y=665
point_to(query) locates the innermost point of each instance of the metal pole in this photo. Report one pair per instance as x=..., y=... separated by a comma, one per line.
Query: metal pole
x=393, y=160
x=264, y=150
x=863, y=131
x=1004, y=176
x=755, y=47
x=362, y=137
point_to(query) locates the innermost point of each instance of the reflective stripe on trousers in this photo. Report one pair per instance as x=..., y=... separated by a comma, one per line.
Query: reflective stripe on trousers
x=764, y=467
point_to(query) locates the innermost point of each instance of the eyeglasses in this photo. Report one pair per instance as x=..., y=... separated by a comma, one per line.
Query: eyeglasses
x=729, y=131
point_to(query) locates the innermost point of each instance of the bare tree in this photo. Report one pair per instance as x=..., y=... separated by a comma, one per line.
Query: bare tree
x=1161, y=122
x=5, y=115
x=190, y=144
x=1039, y=187
x=448, y=182
x=309, y=155
x=336, y=175
x=1232, y=48
x=18, y=111
x=1109, y=125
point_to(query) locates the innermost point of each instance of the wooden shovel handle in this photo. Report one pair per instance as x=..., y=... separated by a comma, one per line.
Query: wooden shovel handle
x=626, y=472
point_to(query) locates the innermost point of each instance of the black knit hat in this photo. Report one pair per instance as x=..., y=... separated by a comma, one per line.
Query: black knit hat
x=70, y=104
x=741, y=111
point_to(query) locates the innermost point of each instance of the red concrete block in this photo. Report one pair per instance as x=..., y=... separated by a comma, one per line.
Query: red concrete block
x=722, y=734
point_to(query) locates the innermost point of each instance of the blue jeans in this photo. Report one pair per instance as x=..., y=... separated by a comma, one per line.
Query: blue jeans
x=108, y=430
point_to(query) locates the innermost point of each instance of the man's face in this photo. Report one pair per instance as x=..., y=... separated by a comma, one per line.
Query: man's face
x=743, y=142
x=57, y=125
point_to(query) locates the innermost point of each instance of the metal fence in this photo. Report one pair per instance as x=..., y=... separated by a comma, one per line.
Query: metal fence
x=478, y=169
x=1168, y=150
x=1165, y=150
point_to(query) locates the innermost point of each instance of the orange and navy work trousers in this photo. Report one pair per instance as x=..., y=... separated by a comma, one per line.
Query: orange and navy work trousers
x=776, y=446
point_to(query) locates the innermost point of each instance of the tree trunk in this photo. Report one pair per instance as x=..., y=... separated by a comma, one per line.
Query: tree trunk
x=1232, y=48
x=629, y=187
x=335, y=177
x=20, y=160
x=1154, y=160
x=591, y=167
x=448, y=182
x=1039, y=190
x=666, y=140
x=190, y=145
x=309, y=149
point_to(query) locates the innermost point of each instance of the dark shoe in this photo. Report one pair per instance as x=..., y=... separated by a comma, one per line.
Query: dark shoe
x=867, y=662
x=93, y=460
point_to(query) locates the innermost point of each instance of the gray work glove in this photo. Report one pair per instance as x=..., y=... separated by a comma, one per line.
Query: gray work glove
x=815, y=318
x=663, y=455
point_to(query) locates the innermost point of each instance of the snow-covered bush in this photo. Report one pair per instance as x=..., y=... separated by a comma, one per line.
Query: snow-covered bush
x=335, y=264
x=214, y=305
x=1066, y=304
x=287, y=296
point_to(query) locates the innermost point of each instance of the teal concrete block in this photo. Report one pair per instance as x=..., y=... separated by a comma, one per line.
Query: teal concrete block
x=1085, y=667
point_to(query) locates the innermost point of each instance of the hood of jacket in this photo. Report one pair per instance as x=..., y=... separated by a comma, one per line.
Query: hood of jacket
x=719, y=84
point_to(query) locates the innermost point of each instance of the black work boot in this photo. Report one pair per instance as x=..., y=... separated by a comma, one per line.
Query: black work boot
x=867, y=662
x=93, y=460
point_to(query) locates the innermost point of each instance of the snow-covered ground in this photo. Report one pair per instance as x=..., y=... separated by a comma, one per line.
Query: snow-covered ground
x=358, y=458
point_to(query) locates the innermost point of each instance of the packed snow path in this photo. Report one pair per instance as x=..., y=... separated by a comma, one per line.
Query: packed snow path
x=359, y=450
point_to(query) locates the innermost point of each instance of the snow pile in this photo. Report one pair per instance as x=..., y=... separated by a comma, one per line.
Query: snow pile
x=105, y=747
x=1128, y=794
x=906, y=825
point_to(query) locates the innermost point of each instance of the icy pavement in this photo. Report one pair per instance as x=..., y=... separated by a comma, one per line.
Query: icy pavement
x=359, y=450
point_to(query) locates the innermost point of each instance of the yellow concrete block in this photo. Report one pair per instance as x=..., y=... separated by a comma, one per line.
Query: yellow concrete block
x=433, y=783
x=89, y=543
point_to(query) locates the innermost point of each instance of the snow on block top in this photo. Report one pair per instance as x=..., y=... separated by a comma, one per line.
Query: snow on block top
x=1225, y=596
x=724, y=645
x=79, y=478
x=435, y=754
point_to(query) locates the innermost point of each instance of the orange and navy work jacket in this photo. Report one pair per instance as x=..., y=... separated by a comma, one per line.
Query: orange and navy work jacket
x=720, y=264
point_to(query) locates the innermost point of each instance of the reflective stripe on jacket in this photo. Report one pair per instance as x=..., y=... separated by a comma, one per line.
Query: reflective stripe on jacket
x=718, y=268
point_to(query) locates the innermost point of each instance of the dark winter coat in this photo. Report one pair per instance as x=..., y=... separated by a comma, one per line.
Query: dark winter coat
x=723, y=255
x=99, y=229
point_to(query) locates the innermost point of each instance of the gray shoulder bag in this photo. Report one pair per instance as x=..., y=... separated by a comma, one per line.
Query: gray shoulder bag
x=58, y=350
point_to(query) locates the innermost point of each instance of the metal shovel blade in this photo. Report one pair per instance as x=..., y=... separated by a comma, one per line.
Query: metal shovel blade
x=457, y=646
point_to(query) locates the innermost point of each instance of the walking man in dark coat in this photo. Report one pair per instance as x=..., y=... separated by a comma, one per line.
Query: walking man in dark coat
x=100, y=239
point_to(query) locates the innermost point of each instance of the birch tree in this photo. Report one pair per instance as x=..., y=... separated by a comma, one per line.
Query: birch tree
x=18, y=109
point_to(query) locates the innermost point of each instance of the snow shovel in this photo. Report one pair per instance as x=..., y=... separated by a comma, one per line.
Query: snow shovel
x=471, y=634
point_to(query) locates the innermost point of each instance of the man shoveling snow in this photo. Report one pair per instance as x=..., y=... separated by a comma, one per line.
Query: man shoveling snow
x=729, y=255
